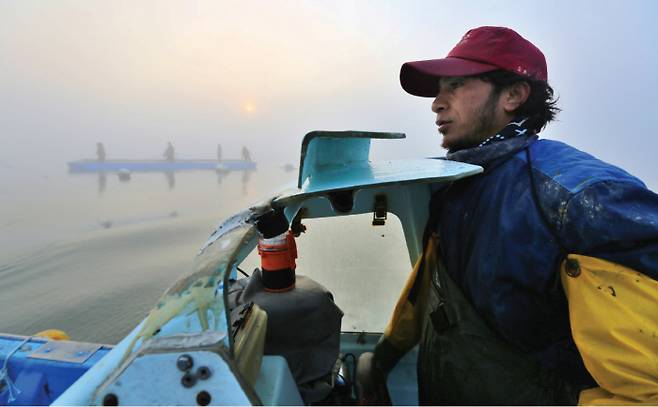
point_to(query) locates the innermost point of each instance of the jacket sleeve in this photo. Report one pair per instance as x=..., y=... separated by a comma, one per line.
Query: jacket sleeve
x=614, y=323
x=612, y=289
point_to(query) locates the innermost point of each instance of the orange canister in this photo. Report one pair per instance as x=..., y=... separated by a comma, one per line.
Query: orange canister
x=277, y=256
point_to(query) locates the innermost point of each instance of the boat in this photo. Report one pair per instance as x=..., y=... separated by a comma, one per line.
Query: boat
x=214, y=339
x=86, y=166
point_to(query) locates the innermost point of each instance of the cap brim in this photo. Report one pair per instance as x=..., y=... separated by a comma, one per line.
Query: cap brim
x=420, y=78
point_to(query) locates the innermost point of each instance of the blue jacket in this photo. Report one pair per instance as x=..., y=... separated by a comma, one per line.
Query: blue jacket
x=504, y=233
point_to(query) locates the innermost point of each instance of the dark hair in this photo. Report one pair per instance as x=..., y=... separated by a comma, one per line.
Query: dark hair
x=541, y=106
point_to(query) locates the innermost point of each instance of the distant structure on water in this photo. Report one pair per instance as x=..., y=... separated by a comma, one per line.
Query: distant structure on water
x=101, y=164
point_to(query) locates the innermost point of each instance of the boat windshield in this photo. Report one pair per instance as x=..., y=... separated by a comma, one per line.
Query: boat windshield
x=195, y=303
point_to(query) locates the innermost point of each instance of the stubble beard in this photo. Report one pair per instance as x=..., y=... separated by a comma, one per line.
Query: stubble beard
x=483, y=126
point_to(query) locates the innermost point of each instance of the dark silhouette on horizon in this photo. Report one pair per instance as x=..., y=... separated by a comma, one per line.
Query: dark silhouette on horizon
x=100, y=152
x=246, y=155
x=169, y=153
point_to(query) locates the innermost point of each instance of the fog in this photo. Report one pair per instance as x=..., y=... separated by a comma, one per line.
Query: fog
x=136, y=75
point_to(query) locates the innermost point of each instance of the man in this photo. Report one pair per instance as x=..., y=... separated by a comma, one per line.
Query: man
x=169, y=153
x=100, y=152
x=246, y=155
x=538, y=281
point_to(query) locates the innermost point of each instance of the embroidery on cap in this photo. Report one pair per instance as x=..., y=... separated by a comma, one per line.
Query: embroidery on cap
x=521, y=69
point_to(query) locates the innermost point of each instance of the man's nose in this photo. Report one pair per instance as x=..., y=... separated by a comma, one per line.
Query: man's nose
x=439, y=104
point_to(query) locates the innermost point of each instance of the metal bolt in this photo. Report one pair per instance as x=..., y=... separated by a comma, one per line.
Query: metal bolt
x=188, y=380
x=203, y=373
x=110, y=399
x=572, y=268
x=184, y=363
x=203, y=398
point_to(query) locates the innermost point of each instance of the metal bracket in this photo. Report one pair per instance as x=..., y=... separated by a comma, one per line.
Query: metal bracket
x=296, y=226
x=65, y=351
x=380, y=211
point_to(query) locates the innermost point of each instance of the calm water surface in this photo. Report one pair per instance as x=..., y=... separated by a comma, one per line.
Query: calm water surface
x=91, y=255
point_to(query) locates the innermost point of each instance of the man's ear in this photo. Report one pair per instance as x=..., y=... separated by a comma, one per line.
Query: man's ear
x=515, y=95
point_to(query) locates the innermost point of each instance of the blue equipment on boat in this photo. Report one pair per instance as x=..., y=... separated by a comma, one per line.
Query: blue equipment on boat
x=36, y=370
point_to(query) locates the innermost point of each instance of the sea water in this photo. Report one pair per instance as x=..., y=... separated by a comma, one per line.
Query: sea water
x=91, y=254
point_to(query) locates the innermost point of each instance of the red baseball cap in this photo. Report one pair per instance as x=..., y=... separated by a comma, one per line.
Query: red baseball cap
x=481, y=50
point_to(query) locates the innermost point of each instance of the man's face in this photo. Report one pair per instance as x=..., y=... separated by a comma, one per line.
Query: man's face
x=468, y=111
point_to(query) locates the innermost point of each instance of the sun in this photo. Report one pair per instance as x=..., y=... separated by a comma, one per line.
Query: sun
x=249, y=107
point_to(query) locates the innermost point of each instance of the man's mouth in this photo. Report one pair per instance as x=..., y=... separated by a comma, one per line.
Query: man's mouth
x=443, y=125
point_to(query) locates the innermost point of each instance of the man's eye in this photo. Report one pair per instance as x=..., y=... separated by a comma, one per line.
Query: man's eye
x=451, y=85
x=456, y=84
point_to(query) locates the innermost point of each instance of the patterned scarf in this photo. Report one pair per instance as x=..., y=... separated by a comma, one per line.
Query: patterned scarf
x=513, y=129
x=510, y=139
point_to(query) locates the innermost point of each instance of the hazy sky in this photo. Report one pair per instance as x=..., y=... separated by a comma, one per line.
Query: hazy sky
x=136, y=74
